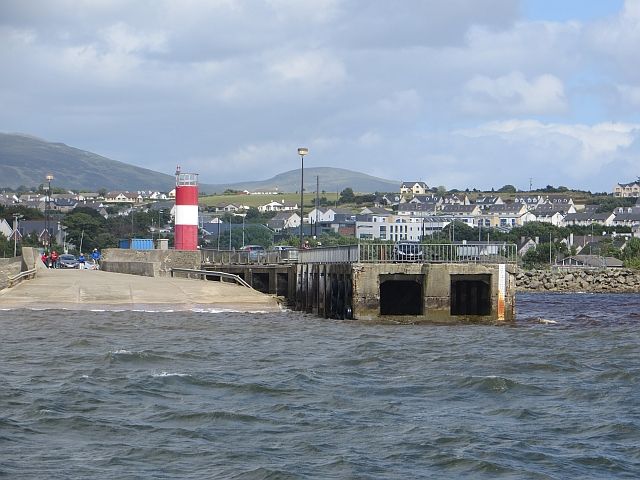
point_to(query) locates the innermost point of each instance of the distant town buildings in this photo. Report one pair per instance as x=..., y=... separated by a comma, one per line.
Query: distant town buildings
x=627, y=189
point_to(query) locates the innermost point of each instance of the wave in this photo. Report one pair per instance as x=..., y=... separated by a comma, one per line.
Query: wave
x=167, y=374
x=495, y=384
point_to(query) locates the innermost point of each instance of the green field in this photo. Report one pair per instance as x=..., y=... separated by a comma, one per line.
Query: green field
x=257, y=200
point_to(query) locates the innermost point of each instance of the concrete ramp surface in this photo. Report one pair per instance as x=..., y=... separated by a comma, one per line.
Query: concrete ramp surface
x=89, y=289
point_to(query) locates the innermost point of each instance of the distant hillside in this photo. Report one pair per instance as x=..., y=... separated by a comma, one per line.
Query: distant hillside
x=331, y=180
x=26, y=160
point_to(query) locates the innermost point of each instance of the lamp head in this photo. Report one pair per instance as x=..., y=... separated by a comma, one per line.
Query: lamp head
x=49, y=177
x=302, y=151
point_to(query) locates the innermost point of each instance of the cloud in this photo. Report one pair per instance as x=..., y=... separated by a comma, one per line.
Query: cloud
x=513, y=94
x=465, y=93
x=310, y=69
x=614, y=40
x=572, y=155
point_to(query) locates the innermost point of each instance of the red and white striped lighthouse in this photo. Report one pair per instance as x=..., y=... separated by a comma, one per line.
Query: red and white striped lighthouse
x=186, y=213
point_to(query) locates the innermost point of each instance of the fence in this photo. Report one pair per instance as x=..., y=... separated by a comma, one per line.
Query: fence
x=438, y=253
x=374, y=253
x=233, y=257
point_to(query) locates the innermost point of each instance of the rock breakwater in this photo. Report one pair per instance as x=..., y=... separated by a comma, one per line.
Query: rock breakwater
x=610, y=280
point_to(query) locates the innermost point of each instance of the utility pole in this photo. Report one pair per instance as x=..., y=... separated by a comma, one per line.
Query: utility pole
x=16, y=217
x=317, y=203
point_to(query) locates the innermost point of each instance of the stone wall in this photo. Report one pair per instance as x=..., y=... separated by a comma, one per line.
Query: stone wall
x=149, y=263
x=8, y=268
x=579, y=280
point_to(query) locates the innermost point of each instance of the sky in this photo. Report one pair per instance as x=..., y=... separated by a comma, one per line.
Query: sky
x=457, y=93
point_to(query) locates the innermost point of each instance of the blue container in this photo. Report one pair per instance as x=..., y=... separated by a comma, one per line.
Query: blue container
x=124, y=243
x=141, y=244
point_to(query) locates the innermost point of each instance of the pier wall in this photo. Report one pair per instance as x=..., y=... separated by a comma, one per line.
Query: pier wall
x=148, y=263
x=407, y=292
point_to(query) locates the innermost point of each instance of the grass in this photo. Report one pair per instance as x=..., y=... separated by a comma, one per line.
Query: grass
x=257, y=200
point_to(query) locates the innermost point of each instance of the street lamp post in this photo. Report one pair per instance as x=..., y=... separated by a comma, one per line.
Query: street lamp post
x=47, y=207
x=302, y=151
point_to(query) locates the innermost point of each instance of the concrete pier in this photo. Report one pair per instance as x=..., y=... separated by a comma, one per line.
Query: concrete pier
x=91, y=289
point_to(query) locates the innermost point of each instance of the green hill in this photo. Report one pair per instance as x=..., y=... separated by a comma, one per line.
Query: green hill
x=331, y=179
x=26, y=160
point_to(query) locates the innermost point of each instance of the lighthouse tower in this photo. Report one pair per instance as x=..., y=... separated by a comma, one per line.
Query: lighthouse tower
x=186, y=213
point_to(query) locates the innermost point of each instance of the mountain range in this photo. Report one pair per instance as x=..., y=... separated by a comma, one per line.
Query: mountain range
x=26, y=160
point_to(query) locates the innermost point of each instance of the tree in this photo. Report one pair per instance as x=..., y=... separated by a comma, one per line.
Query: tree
x=6, y=247
x=457, y=231
x=347, y=196
x=507, y=189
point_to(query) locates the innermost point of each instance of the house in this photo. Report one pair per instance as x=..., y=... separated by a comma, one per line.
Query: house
x=468, y=214
x=590, y=261
x=456, y=199
x=388, y=199
x=87, y=196
x=7, y=199
x=227, y=208
x=416, y=209
x=405, y=229
x=553, y=214
x=39, y=228
x=274, y=206
x=64, y=205
x=328, y=214
x=559, y=200
x=381, y=212
x=525, y=244
x=5, y=228
x=417, y=188
x=586, y=219
x=626, y=219
x=123, y=197
x=627, y=189
x=158, y=196
x=508, y=215
x=531, y=201
x=580, y=241
x=431, y=202
x=487, y=201
x=284, y=220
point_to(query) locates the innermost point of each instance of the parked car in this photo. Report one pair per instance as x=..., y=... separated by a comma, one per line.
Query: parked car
x=282, y=248
x=255, y=252
x=407, y=252
x=66, y=260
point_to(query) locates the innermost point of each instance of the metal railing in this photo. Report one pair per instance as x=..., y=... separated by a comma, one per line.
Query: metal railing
x=342, y=254
x=237, y=257
x=15, y=279
x=476, y=252
x=438, y=253
x=210, y=273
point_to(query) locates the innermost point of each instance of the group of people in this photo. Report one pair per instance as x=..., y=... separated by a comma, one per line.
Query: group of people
x=51, y=259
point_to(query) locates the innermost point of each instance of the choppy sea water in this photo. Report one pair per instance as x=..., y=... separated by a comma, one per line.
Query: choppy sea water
x=269, y=396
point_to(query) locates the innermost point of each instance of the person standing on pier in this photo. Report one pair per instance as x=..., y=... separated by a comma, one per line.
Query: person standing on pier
x=95, y=255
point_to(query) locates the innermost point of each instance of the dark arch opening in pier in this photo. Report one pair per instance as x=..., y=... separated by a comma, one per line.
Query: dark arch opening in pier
x=401, y=295
x=282, y=284
x=470, y=294
x=260, y=281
